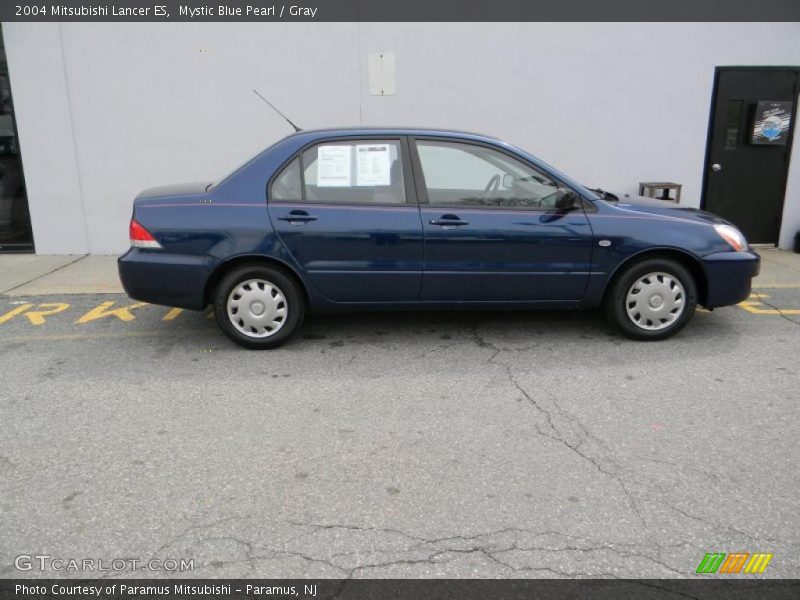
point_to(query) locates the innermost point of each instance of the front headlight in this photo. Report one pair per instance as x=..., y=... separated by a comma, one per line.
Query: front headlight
x=731, y=235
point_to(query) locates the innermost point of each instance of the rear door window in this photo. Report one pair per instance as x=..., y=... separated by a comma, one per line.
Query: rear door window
x=354, y=172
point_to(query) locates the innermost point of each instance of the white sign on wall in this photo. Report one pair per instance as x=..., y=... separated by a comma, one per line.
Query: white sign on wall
x=381, y=73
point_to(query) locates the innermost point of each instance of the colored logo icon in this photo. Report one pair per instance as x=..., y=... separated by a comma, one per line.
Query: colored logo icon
x=736, y=562
x=772, y=128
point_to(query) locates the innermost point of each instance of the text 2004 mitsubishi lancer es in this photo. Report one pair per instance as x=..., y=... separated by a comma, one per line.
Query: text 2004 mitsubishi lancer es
x=418, y=218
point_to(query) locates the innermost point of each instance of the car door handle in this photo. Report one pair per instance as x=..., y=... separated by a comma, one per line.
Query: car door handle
x=448, y=221
x=298, y=217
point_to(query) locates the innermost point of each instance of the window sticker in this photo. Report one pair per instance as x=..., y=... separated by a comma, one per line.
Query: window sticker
x=373, y=164
x=772, y=120
x=334, y=166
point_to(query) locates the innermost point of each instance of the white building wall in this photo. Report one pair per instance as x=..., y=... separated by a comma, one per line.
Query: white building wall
x=47, y=145
x=610, y=104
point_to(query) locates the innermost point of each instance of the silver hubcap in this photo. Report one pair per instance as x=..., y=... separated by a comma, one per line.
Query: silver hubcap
x=655, y=301
x=257, y=308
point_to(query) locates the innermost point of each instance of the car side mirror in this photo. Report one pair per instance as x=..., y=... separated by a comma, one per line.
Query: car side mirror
x=566, y=200
x=508, y=181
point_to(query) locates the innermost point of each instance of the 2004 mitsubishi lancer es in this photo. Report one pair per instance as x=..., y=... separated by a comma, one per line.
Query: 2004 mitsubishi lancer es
x=414, y=219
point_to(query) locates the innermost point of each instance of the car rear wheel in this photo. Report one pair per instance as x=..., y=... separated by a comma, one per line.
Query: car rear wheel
x=258, y=307
x=653, y=299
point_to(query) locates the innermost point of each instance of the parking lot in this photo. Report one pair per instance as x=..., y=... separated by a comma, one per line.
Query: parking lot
x=433, y=444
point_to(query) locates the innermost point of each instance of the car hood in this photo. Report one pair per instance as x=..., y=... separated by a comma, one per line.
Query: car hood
x=652, y=206
x=176, y=189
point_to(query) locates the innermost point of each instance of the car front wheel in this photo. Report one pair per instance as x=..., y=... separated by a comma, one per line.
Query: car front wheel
x=653, y=299
x=258, y=307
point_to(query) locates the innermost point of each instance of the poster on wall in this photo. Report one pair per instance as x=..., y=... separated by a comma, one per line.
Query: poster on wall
x=771, y=124
x=333, y=166
x=374, y=164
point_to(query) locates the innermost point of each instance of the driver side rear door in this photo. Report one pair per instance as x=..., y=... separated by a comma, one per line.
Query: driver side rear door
x=346, y=212
x=491, y=230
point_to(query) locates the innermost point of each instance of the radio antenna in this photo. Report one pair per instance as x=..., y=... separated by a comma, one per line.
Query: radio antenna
x=272, y=106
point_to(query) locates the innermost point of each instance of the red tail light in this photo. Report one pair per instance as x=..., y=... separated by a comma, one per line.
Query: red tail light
x=141, y=238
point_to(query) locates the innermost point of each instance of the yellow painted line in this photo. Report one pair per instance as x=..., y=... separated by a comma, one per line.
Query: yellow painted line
x=81, y=336
x=751, y=308
x=174, y=312
x=104, y=310
x=752, y=305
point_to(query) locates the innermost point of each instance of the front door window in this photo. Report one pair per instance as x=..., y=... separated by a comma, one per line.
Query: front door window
x=473, y=176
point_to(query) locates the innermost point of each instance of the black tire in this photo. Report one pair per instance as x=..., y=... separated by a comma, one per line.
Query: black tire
x=288, y=294
x=617, y=300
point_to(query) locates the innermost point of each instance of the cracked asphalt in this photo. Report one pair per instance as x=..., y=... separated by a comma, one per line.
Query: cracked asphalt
x=400, y=444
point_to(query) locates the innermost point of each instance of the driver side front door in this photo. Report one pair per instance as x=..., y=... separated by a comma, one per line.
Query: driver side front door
x=491, y=229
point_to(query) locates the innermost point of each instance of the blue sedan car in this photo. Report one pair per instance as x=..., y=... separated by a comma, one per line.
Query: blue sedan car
x=399, y=218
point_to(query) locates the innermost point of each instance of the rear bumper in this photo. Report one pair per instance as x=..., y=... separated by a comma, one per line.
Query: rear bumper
x=730, y=276
x=168, y=279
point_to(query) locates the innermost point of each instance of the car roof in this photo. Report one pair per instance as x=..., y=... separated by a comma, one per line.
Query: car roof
x=278, y=154
x=405, y=130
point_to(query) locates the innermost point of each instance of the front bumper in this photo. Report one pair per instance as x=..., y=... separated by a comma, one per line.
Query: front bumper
x=729, y=276
x=160, y=278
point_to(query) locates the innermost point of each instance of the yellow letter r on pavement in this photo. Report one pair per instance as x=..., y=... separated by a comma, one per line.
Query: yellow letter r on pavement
x=14, y=312
x=37, y=316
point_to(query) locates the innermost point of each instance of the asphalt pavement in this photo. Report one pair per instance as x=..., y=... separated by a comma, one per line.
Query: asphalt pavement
x=435, y=444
